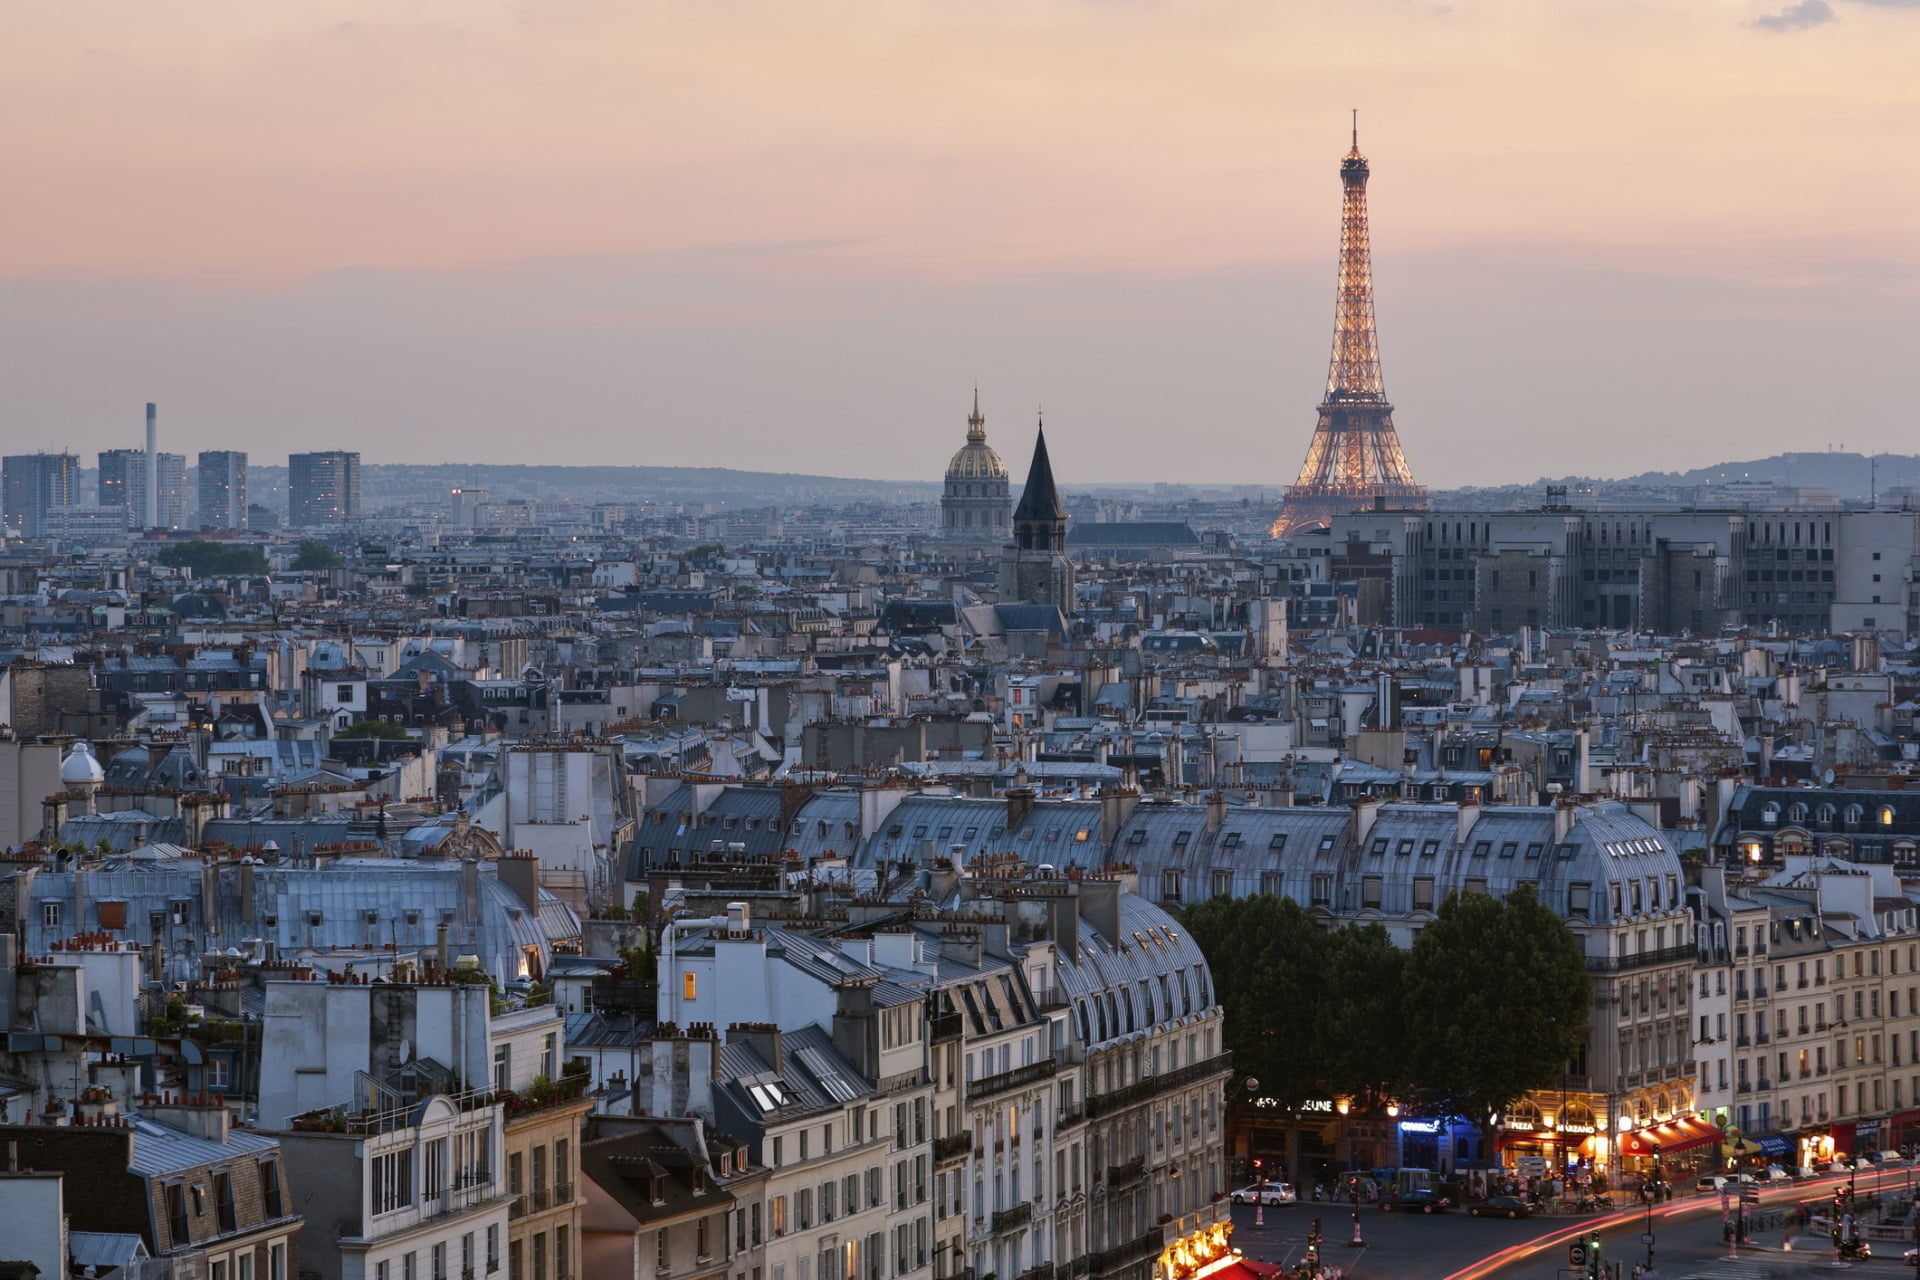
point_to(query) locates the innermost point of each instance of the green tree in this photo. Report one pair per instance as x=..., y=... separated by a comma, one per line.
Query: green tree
x=316, y=555
x=1496, y=995
x=213, y=559
x=1362, y=1029
x=1268, y=960
x=374, y=729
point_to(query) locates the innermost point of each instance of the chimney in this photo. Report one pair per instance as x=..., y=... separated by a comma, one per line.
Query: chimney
x=1100, y=906
x=737, y=920
x=1216, y=810
x=1019, y=805
x=961, y=943
x=1469, y=814
x=469, y=894
x=203, y=1116
x=762, y=1037
x=445, y=956
x=210, y=896
x=520, y=872
x=1364, y=812
x=1116, y=806
x=856, y=1032
x=1564, y=814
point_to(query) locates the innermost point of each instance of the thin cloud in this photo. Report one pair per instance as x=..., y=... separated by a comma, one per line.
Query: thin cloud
x=1797, y=17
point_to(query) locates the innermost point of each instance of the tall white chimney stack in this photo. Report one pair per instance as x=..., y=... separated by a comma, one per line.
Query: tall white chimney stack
x=153, y=468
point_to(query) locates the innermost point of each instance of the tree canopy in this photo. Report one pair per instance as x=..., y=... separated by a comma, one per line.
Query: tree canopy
x=1489, y=1003
x=213, y=559
x=316, y=555
x=1496, y=996
x=374, y=729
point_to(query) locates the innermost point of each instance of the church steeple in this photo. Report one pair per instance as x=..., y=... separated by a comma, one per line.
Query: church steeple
x=1040, y=521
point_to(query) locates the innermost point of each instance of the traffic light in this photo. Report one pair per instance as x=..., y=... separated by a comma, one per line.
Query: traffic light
x=1313, y=1244
x=1257, y=1163
x=1593, y=1257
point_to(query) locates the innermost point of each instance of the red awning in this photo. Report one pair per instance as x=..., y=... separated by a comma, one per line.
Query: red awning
x=1843, y=1136
x=1245, y=1269
x=1682, y=1134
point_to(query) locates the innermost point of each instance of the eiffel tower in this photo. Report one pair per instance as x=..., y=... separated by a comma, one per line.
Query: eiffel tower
x=1354, y=460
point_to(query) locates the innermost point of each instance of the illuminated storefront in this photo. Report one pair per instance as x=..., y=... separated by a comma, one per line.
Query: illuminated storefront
x=1207, y=1254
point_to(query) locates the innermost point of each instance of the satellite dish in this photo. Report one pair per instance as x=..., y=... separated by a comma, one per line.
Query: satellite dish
x=1827, y=777
x=406, y=1050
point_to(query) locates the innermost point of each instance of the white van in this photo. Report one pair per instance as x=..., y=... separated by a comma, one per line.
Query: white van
x=1888, y=1157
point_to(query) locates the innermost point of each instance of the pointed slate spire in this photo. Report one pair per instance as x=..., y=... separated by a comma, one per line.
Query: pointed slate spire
x=1040, y=500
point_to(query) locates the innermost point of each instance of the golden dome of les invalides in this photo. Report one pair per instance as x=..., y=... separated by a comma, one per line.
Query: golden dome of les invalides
x=976, y=459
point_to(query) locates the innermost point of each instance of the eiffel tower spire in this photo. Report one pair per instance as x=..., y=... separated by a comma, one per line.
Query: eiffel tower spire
x=1354, y=459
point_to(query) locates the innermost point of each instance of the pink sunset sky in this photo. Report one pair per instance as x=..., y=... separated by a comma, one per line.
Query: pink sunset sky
x=1609, y=237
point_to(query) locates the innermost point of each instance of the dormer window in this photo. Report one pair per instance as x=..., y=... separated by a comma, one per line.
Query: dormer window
x=658, y=1192
x=699, y=1182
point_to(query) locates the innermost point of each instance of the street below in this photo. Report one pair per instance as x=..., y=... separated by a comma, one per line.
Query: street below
x=1687, y=1231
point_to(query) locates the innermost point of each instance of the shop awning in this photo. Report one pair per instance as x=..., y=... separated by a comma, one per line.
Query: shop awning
x=1674, y=1136
x=1773, y=1144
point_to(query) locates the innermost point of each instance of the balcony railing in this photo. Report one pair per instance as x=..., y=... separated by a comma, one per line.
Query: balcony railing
x=953, y=1146
x=944, y=1026
x=1072, y=1113
x=987, y=1086
x=1145, y=1245
x=1008, y=1219
x=1100, y=1104
x=1040, y=1271
x=1132, y=1171
x=517, y=1207
x=562, y=1193
x=1645, y=960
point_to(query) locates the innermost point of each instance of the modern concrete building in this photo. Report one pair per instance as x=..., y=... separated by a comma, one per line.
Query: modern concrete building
x=323, y=488
x=223, y=489
x=1663, y=570
x=31, y=486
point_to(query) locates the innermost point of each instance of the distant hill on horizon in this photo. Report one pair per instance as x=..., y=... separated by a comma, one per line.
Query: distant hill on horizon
x=1849, y=475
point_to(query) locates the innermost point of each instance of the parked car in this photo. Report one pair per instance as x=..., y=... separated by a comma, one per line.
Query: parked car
x=1501, y=1207
x=1805, y=1171
x=1266, y=1193
x=1889, y=1158
x=1726, y=1182
x=1421, y=1201
x=1776, y=1174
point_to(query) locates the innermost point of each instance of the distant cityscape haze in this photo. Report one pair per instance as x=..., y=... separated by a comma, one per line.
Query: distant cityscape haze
x=1607, y=238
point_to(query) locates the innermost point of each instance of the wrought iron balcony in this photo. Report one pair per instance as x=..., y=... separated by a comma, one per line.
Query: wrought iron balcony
x=1141, y=1247
x=1119, y=1175
x=987, y=1086
x=1008, y=1219
x=1144, y=1090
x=953, y=1146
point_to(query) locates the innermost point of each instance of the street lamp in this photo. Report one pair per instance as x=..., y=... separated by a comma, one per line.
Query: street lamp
x=1648, y=1191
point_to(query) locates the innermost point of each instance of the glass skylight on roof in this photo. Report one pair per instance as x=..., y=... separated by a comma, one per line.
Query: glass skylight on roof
x=828, y=1076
